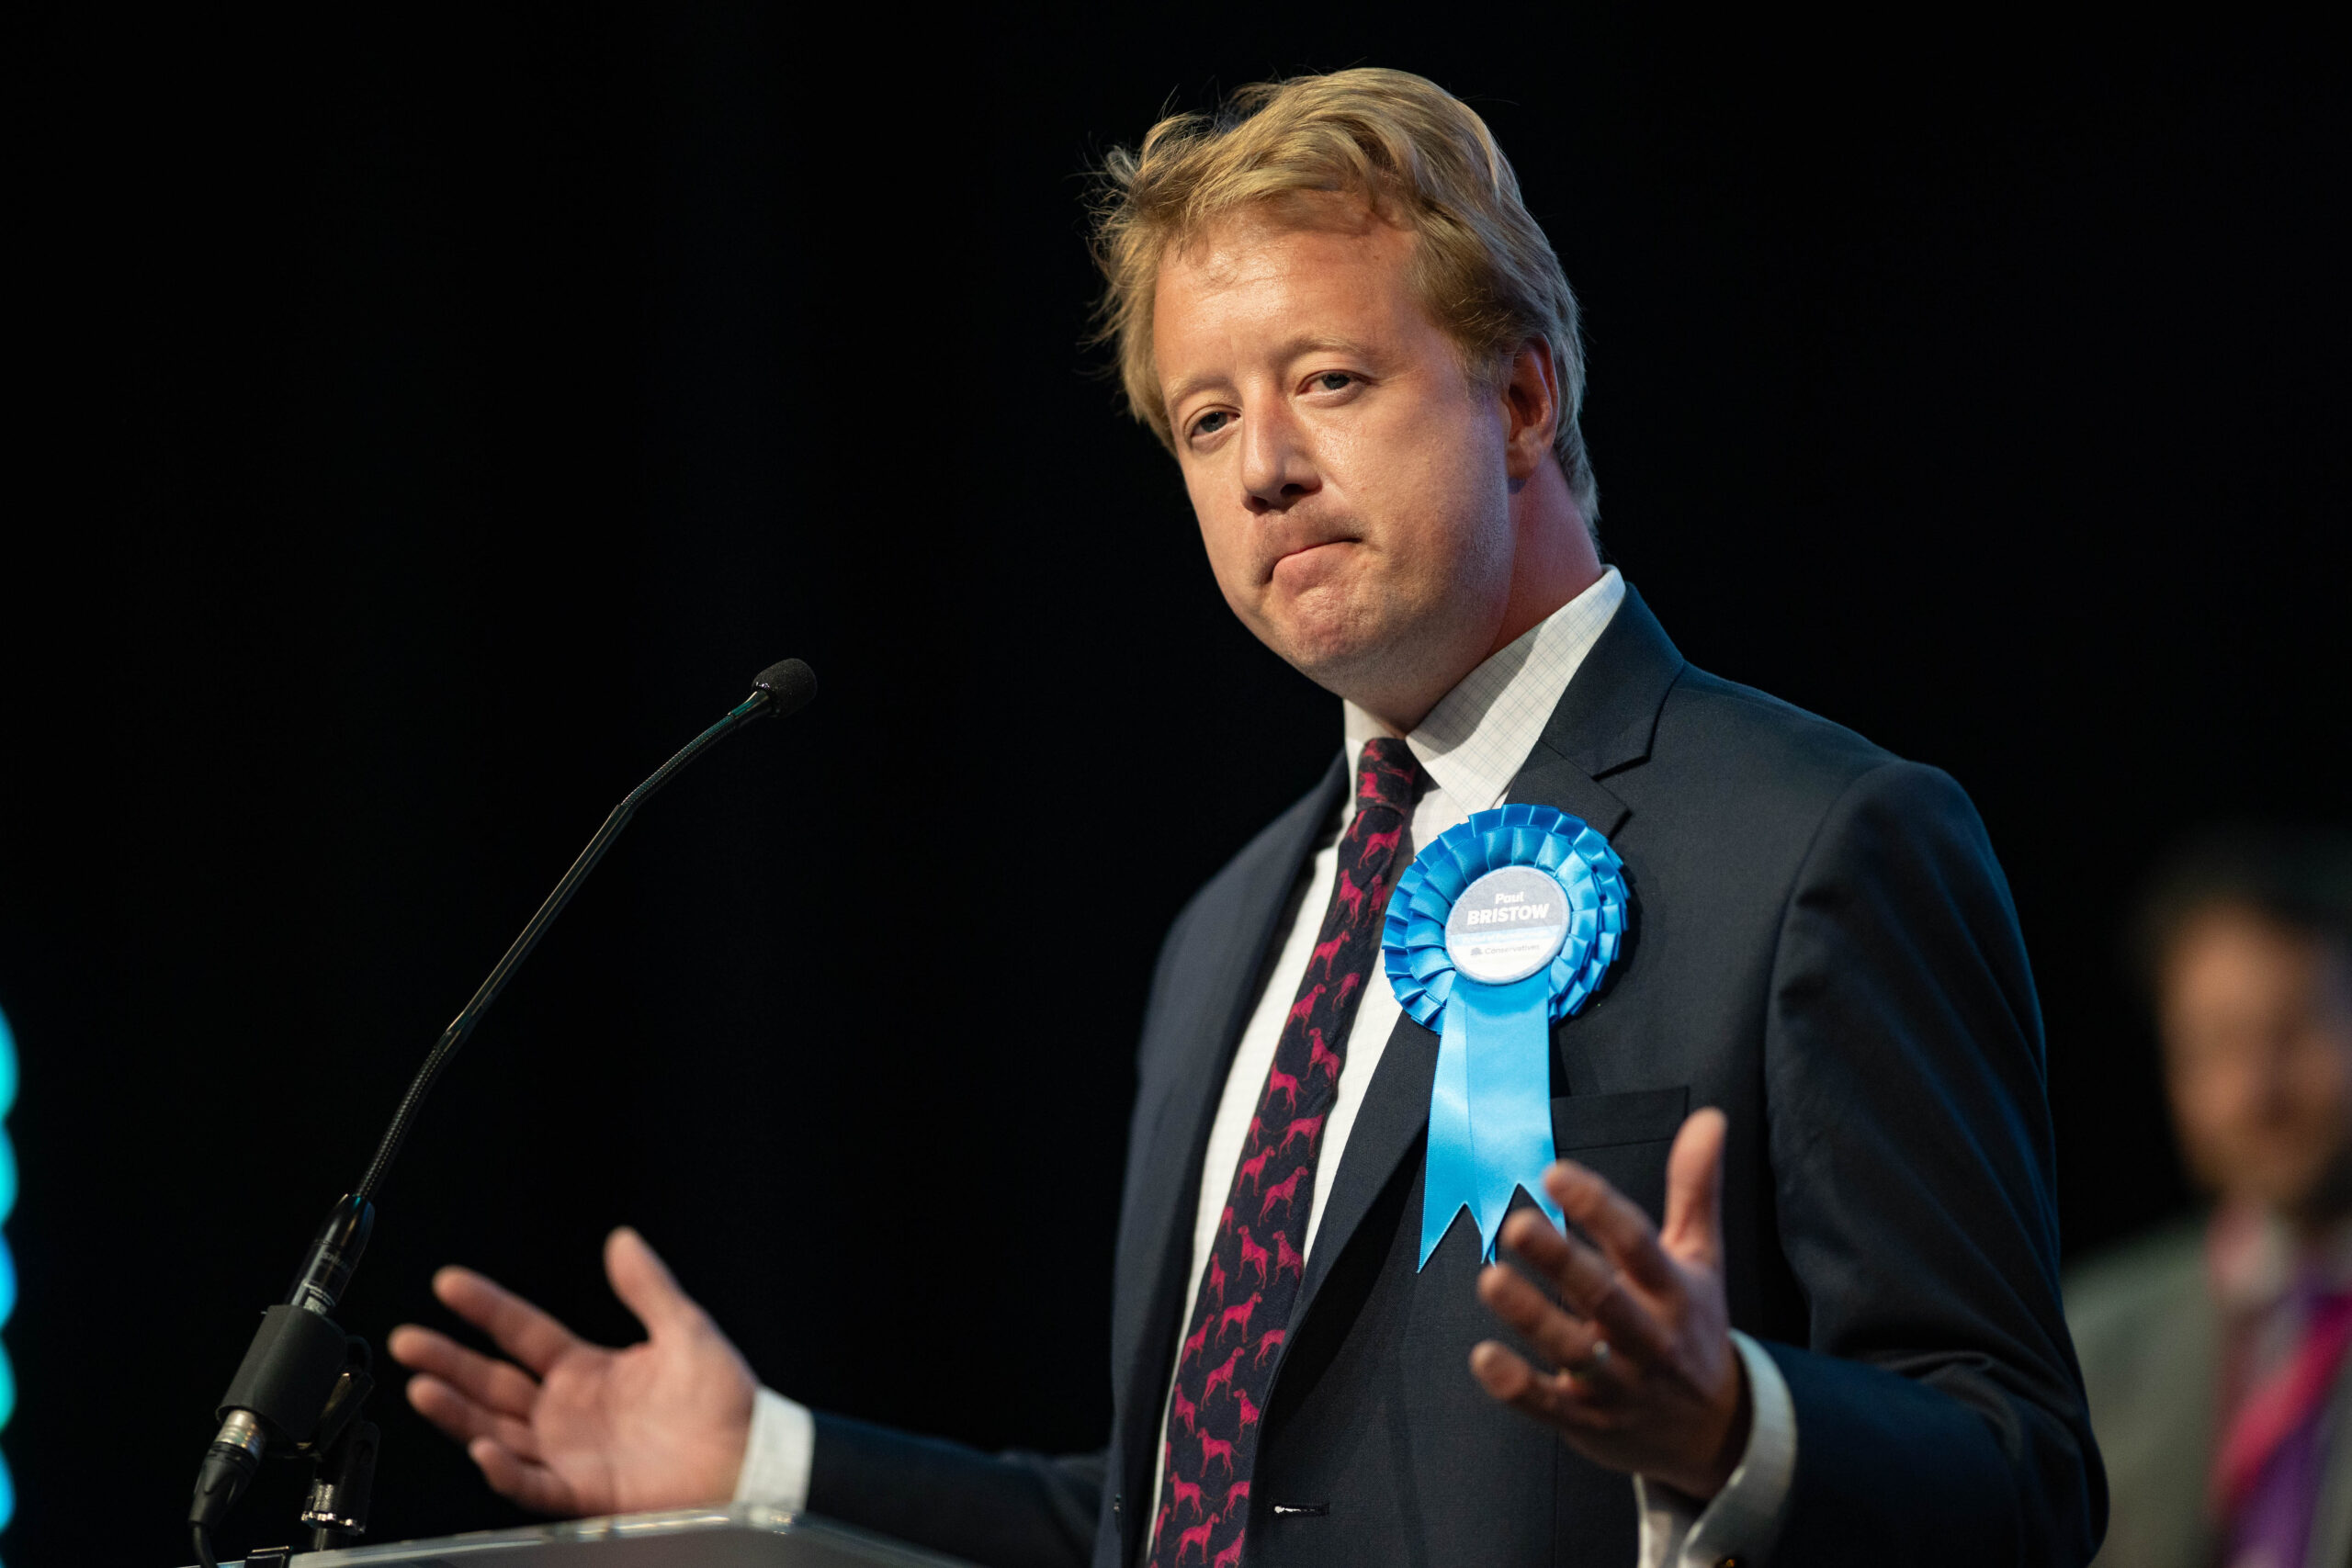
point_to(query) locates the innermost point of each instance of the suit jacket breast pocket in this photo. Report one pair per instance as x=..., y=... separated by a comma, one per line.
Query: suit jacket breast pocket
x=1624, y=1137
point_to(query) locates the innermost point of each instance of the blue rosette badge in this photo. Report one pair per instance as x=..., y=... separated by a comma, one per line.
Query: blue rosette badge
x=1503, y=925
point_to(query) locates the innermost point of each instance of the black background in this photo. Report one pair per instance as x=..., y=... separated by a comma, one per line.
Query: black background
x=425, y=424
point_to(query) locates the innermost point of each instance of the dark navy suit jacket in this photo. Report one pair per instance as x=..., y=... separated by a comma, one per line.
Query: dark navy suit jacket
x=1825, y=947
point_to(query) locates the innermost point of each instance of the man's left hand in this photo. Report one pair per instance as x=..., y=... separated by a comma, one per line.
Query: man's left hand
x=1649, y=1380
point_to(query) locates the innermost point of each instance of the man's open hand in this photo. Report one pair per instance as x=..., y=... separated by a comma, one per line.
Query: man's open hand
x=576, y=1428
x=1649, y=1380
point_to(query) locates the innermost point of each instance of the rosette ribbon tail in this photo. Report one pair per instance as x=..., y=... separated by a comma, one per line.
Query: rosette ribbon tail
x=1510, y=1096
x=1451, y=1183
x=1490, y=1109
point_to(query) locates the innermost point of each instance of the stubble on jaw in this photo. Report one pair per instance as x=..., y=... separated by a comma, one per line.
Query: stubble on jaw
x=1369, y=632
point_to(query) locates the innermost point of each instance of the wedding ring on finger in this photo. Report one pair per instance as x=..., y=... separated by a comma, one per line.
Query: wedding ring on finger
x=1593, y=1362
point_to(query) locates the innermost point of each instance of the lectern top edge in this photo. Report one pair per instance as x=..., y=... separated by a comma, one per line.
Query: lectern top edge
x=745, y=1534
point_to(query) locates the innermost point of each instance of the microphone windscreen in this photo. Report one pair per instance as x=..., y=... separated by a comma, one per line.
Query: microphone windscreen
x=791, y=683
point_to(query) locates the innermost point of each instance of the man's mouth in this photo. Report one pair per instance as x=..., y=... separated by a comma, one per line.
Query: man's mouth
x=1309, y=558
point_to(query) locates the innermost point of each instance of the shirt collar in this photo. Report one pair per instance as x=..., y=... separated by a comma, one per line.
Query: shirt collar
x=1474, y=742
x=2255, y=1261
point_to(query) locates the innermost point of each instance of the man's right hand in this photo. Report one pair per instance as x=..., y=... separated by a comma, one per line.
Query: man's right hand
x=576, y=1428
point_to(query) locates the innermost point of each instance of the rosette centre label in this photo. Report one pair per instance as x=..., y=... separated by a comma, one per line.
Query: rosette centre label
x=1507, y=925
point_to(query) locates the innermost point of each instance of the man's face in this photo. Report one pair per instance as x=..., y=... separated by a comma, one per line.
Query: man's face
x=1349, y=476
x=2258, y=1028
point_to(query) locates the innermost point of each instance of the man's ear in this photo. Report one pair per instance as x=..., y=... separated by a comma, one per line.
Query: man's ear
x=1531, y=397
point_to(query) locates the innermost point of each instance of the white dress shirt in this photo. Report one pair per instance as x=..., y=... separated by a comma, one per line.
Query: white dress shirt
x=1472, y=745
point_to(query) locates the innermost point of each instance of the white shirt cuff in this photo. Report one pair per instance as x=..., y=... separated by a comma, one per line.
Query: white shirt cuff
x=779, y=1454
x=1744, y=1519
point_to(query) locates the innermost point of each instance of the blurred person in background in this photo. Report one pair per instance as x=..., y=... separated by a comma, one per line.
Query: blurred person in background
x=2214, y=1351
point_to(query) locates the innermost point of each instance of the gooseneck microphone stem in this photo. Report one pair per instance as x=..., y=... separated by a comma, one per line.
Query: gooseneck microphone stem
x=453, y=1039
x=302, y=1382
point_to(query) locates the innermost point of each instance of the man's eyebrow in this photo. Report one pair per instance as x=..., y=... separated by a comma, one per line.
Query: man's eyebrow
x=1197, y=382
x=1297, y=348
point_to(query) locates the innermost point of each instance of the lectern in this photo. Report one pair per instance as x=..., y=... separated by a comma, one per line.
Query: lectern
x=744, y=1536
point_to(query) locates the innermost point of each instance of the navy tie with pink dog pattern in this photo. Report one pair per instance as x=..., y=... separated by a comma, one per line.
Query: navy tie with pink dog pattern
x=1232, y=1343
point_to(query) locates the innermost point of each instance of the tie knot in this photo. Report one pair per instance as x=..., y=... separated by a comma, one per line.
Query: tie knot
x=1388, y=774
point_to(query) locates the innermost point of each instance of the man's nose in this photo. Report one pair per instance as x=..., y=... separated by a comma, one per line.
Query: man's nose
x=1277, y=464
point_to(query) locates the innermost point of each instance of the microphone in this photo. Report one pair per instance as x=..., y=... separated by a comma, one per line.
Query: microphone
x=303, y=1379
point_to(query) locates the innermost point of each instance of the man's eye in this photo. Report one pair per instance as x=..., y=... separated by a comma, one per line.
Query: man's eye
x=1211, y=422
x=1334, y=380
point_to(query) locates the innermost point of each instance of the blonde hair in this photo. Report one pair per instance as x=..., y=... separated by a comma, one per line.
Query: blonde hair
x=1419, y=157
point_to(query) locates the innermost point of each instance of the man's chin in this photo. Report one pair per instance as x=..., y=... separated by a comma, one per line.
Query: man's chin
x=1330, y=653
x=1366, y=652
x=1374, y=673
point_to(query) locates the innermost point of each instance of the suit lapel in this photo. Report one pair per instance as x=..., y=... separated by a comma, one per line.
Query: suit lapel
x=1608, y=717
x=1550, y=778
x=1604, y=721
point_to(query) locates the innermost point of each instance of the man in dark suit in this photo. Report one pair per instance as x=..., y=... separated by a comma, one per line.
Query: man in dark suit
x=1809, y=1307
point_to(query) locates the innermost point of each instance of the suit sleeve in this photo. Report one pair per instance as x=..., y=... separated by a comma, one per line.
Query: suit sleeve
x=1940, y=1411
x=1009, y=1510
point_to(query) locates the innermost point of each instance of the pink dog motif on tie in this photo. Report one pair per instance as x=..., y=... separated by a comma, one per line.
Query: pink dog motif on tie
x=1306, y=1127
x=1253, y=1170
x=1286, y=1255
x=1238, y=1316
x=1185, y=1410
x=1248, y=1411
x=1230, y=1557
x=1198, y=1342
x=1216, y=1448
x=1222, y=1374
x=1197, y=1536
x=1235, y=1497
x=1283, y=1192
x=1321, y=1055
x=1268, y=1345
x=1185, y=1492
x=1216, y=1277
x=1278, y=1079
x=1352, y=896
x=1252, y=1255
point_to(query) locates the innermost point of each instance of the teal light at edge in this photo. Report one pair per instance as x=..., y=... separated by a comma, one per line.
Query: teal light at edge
x=7, y=1259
